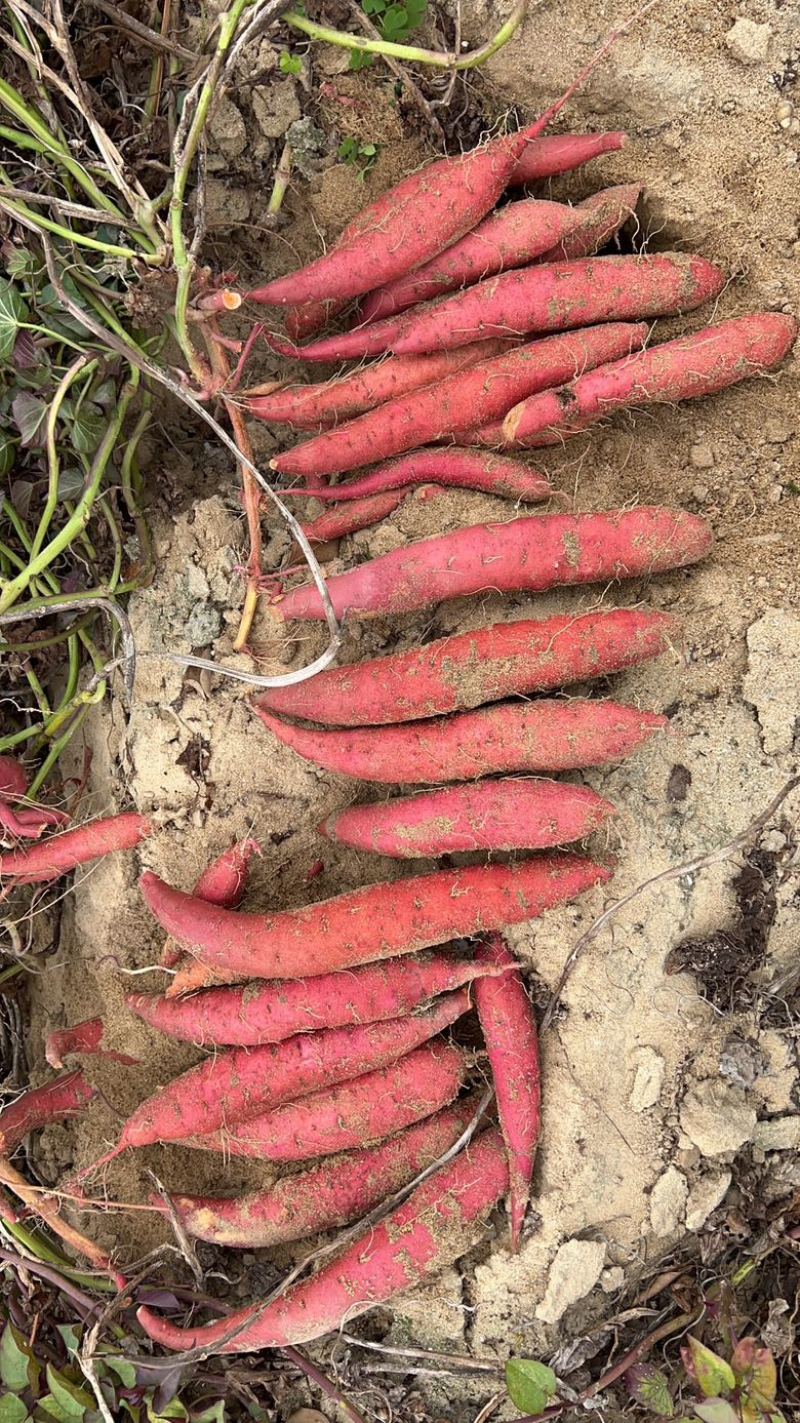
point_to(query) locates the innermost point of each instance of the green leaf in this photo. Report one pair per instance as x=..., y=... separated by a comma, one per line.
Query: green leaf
x=348, y=149
x=214, y=1414
x=12, y=311
x=649, y=1387
x=290, y=63
x=756, y=1373
x=716, y=1410
x=368, y=150
x=29, y=413
x=88, y=428
x=8, y=449
x=417, y=10
x=123, y=1368
x=70, y=483
x=373, y=7
x=21, y=263
x=713, y=1375
x=173, y=1409
x=360, y=60
x=12, y=1409
x=71, y=1400
x=18, y=1367
x=70, y=1333
x=395, y=21
x=530, y=1385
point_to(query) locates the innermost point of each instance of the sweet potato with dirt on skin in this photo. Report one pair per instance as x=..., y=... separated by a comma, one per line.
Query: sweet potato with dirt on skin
x=512, y=236
x=487, y=665
x=223, y=882
x=530, y=554
x=329, y=1195
x=603, y=214
x=59, y=854
x=685, y=369
x=542, y=735
x=509, y=1030
x=314, y=316
x=451, y=467
x=335, y=524
x=325, y=403
x=439, y=1222
x=561, y=153
x=269, y=1012
x=506, y=814
x=556, y=296
x=64, y=1097
x=365, y=925
x=350, y=1114
x=479, y=394
x=235, y=1085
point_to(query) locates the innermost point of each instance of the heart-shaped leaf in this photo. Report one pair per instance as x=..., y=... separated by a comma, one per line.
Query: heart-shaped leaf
x=18, y=1367
x=12, y=311
x=29, y=413
x=716, y=1410
x=8, y=448
x=756, y=1373
x=12, y=1409
x=648, y=1386
x=73, y=1402
x=530, y=1384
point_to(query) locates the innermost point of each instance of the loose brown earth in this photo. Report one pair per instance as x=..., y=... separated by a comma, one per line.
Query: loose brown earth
x=659, y=1081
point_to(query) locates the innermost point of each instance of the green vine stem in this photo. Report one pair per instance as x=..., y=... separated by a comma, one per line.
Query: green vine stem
x=80, y=366
x=412, y=54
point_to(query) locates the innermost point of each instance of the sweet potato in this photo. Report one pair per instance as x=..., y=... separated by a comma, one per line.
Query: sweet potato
x=27, y=820
x=505, y=814
x=452, y=467
x=438, y=1222
x=82, y=1040
x=350, y=1114
x=479, y=394
x=268, y=1012
x=61, y=853
x=242, y=1083
x=223, y=882
x=511, y=237
x=540, y=298
x=375, y=922
x=314, y=316
x=685, y=369
x=560, y=153
x=309, y=407
x=455, y=673
x=509, y=1030
x=541, y=735
x=603, y=214
x=66, y=1096
x=548, y=551
x=360, y=514
x=327, y=1196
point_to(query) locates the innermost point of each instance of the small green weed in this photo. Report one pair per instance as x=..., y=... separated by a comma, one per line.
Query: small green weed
x=394, y=22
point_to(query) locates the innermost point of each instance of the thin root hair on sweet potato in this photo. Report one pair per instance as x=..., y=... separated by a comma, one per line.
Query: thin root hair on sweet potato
x=452, y=467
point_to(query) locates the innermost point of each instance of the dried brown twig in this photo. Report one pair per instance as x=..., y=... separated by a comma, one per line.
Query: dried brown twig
x=689, y=867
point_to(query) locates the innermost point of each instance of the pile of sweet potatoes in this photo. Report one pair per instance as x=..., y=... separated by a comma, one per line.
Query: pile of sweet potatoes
x=327, y=1026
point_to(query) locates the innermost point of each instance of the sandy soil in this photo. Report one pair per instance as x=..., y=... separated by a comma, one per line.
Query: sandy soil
x=658, y=1080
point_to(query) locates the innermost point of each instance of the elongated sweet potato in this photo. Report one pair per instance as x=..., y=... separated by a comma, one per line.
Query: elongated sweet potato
x=82, y=1040
x=542, y=735
x=479, y=394
x=372, y=923
x=506, y=814
x=510, y=237
x=244, y=1082
x=309, y=407
x=26, y=820
x=509, y=1030
x=560, y=153
x=60, y=853
x=603, y=214
x=450, y=466
x=539, y=298
x=268, y=1012
x=66, y=1096
x=313, y=316
x=349, y=1114
x=685, y=369
x=360, y=514
x=440, y=1220
x=546, y=551
x=455, y=673
x=327, y=1196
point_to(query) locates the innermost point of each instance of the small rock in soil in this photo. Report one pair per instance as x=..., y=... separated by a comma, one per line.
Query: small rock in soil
x=573, y=1274
x=748, y=42
x=701, y=456
x=668, y=1202
x=704, y=1197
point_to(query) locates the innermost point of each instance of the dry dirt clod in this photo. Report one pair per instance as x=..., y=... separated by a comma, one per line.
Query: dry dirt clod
x=668, y=1202
x=573, y=1274
x=717, y=1118
x=772, y=683
x=649, y=1079
x=780, y=1134
x=749, y=42
x=704, y=1197
x=276, y=108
